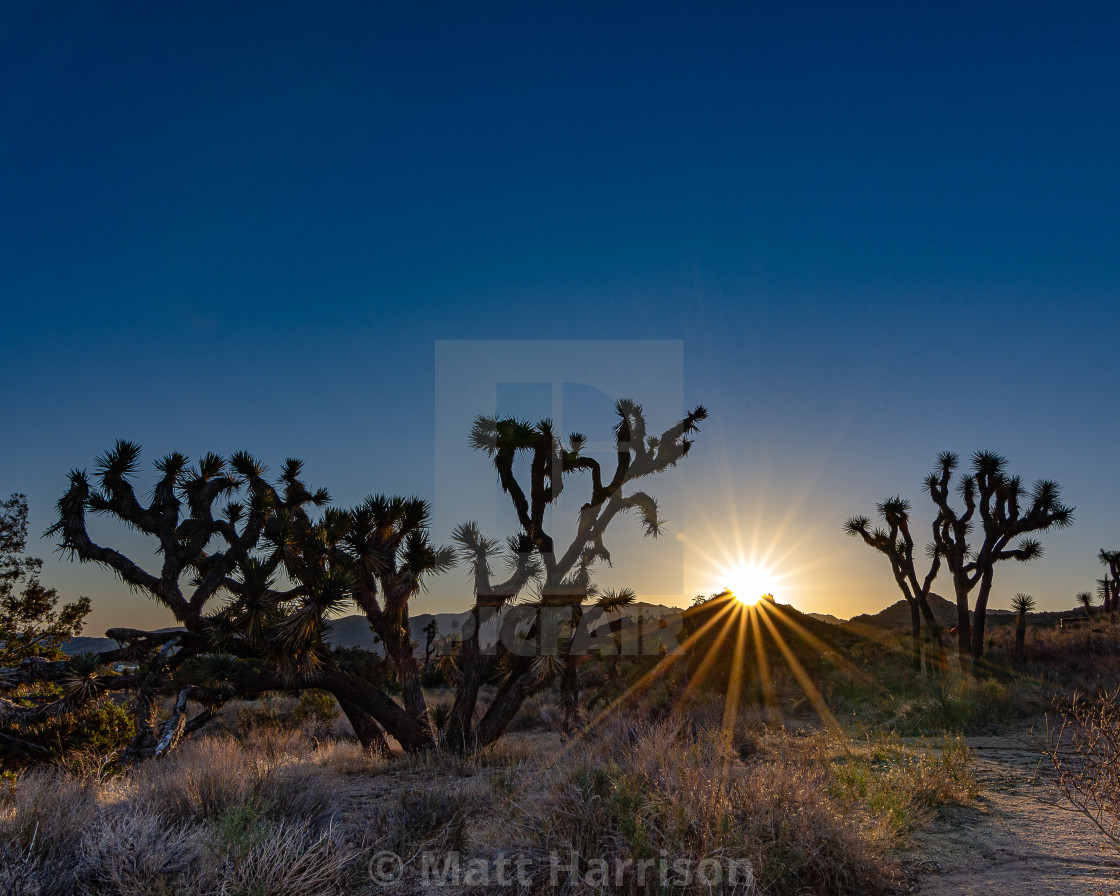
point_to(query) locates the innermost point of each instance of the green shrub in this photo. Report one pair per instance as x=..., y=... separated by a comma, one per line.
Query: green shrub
x=98, y=730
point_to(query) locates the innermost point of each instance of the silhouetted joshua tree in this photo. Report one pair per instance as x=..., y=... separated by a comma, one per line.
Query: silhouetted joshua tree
x=897, y=544
x=1022, y=604
x=562, y=573
x=431, y=630
x=1085, y=598
x=220, y=573
x=1000, y=511
x=1109, y=586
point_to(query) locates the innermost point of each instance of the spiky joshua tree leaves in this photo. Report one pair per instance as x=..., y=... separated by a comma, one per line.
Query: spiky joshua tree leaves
x=1000, y=515
x=560, y=571
x=895, y=542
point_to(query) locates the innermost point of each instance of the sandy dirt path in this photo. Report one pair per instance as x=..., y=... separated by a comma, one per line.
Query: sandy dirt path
x=1018, y=841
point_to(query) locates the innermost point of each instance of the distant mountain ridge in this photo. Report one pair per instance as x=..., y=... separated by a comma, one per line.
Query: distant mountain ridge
x=897, y=616
x=354, y=630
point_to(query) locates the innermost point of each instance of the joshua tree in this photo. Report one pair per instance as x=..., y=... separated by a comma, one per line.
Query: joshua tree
x=431, y=630
x=1022, y=604
x=1085, y=598
x=562, y=574
x=897, y=544
x=612, y=601
x=1110, y=584
x=1000, y=511
x=218, y=576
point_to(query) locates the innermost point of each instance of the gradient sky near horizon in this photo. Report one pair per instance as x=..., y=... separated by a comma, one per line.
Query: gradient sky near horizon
x=878, y=231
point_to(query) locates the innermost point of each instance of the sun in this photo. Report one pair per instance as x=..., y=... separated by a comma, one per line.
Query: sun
x=748, y=583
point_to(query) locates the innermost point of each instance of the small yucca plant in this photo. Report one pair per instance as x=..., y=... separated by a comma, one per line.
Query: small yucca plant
x=1022, y=604
x=81, y=683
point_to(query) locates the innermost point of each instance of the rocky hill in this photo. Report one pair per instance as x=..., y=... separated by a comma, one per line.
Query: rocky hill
x=897, y=615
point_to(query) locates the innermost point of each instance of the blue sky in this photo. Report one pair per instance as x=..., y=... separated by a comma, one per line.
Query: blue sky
x=879, y=231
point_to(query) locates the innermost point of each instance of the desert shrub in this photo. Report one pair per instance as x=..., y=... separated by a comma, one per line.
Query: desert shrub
x=315, y=712
x=99, y=729
x=539, y=712
x=137, y=854
x=433, y=818
x=1085, y=754
x=294, y=859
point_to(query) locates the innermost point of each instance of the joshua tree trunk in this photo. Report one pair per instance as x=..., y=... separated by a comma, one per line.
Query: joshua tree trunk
x=981, y=612
x=569, y=678
x=368, y=732
x=408, y=672
x=1020, y=638
x=461, y=719
x=964, y=624
x=916, y=625
x=940, y=660
x=395, y=635
x=506, y=703
x=412, y=733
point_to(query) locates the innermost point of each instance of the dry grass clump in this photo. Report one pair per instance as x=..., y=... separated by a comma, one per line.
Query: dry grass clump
x=901, y=785
x=48, y=811
x=136, y=854
x=209, y=776
x=219, y=816
x=297, y=859
x=41, y=821
x=345, y=757
x=422, y=819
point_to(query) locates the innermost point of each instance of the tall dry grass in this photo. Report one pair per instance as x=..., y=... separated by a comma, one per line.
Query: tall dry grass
x=278, y=812
x=1081, y=653
x=219, y=816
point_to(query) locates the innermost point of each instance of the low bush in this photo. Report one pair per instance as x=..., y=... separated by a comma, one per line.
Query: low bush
x=1085, y=754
